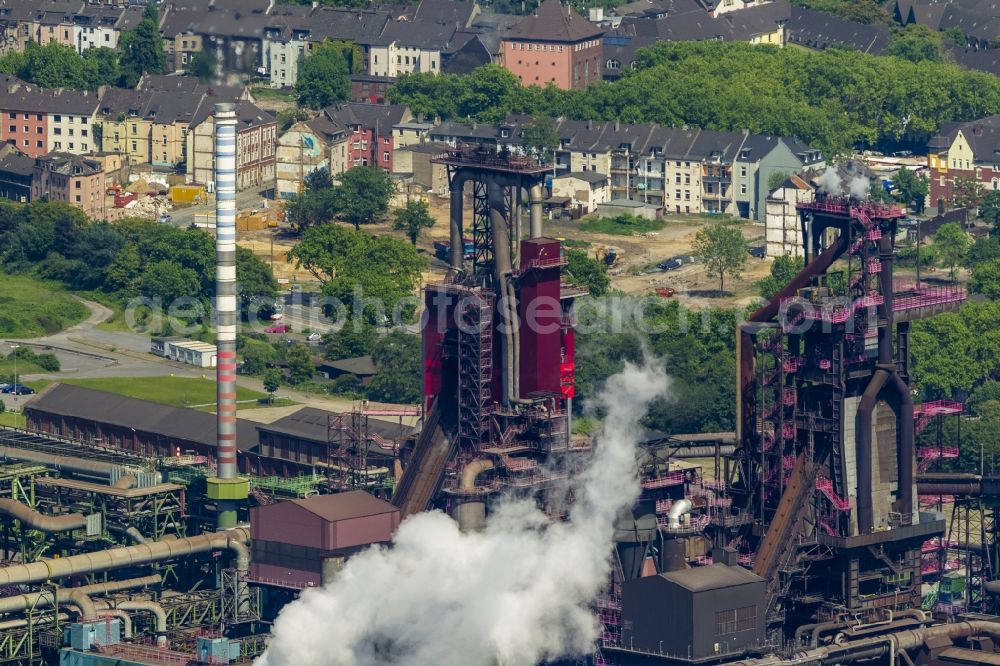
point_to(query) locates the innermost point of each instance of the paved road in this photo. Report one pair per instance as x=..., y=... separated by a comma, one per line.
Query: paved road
x=246, y=199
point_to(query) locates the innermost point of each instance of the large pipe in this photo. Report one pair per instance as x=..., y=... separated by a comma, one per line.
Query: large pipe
x=535, y=201
x=502, y=268
x=906, y=449
x=73, y=465
x=39, y=521
x=152, y=607
x=678, y=509
x=471, y=512
x=457, y=255
x=135, y=535
x=74, y=596
x=863, y=448
x=226, y=310
x=125, y=482
x=958, y=488
x=131, y=556
x=106, y=611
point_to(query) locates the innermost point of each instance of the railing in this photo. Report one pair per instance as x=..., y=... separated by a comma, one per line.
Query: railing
x=825, y=486
x=669, y=479
x=940, y=408
x=792, y=364
x=923, y=296
x=934, y=452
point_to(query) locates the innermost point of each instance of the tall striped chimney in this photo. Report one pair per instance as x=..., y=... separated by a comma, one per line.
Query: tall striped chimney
x=228, y=489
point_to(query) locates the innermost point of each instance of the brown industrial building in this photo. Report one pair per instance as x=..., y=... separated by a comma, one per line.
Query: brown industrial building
x=296, y=542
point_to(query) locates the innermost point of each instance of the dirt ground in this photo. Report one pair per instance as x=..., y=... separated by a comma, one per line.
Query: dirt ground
x=635, y=273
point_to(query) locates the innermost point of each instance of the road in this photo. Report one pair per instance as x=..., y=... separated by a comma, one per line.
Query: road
x=183, y=217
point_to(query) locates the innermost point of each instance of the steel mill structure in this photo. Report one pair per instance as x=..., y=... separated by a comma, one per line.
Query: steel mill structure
x=826, y=530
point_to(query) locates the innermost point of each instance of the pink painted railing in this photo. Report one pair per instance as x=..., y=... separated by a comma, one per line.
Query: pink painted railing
x=670, y=479
x=792, y=364
x=933, y=452
x=788, y=430
x=663, y=505
x=940, y=408
x=923, y=296
x=825, y=486
x=874, y=267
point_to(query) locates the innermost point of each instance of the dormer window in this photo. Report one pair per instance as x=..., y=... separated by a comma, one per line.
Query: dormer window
x=504, y=132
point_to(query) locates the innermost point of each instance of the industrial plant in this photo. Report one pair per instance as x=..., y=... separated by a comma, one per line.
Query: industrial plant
x=818, y=533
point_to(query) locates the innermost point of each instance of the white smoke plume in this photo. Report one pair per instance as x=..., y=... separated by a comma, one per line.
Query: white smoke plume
x=859, y=187
x=829, y=181
x=515, y=594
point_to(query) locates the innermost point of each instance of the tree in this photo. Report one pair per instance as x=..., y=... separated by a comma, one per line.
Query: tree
x=540, y=139
x=299, y=362
x=986, y=279
x=397, y=358
x=916, y=43
x=325, y=249
x=989, y=209
x=783, y=270
x=203, y=65
x=967, y=192
x=722, y=249
x=912, y=188
x=324, y=76
x=272, y=381
x=586, y=272
x=775, y=180
x=411, y=219
x=354, y=339
x=142, y=49
x=256, y=283
x=951, y=244
x=363, y=195
x=258, y=355
x=168, y=281
x=102, y=67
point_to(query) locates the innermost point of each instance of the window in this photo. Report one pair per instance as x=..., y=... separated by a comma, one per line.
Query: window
x=735, y=620
x=134, y=148
x=38, y=116
x=941, y=181
x=12, y=115
x=83, y=132
x=385, y=157
x=71, y=131
x=743, y=188
x=13, y=129
x=58, y=145
x=687, y=195
x=743, y=172
x=58, y=119
x=687, y=179
x=76, y=184
x=78, y=198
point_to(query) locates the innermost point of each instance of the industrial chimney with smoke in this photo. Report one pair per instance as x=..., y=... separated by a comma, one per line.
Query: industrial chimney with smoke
x=227, y=488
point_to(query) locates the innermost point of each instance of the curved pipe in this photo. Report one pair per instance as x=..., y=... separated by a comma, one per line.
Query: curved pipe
x=814, y=631
x=105, y=560
x=678, y=509
x=473, y=470
x=135, y=535
x=152, y=607
x=74, y=596
x=863, y=453
x=535, y=201
x=455, y=188
x=79, y=466
x=122, y=615
x=125, y=482
x=906, y=441
x=39, y=521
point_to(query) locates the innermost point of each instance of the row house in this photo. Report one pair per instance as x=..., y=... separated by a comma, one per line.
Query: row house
x=370, y=138
x=74, y=179
x=964, y=150
x=682, y=170
x=256, y=146
x=306, y=147
x=39, y=120
x=77, y=24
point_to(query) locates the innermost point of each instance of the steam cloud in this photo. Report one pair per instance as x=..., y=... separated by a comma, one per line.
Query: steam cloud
x=515, y=594
x=830, y=182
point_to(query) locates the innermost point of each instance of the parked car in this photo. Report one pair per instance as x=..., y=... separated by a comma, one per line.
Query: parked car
x=757, y=251
x=17, y=389
x=165, y=219
x=279, y=328
x=277, y=316
x=314, y=337
x=4, y=387
x=670, y=264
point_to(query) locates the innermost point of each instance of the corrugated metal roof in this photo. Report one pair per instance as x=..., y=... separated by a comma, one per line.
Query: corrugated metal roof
x=712, y=577
x=344, y=506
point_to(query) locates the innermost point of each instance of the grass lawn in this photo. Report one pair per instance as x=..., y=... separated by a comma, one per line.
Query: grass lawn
x=273, y=93
x=176, y=391
x=12, y=419
x=31, y=308
x=623, y=225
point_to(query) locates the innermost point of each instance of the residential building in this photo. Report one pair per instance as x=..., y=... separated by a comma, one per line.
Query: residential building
x=782, y=223
x=415, y=162
x=75, y=179
x=409, y=47
x=96, y=26
x=964, y=150
x=820, y=30
x=306, y=147
x=585, y=189
x=978, y=20
x=409, y=133
x=256, y=146
x=369, y=88
x=38, y=120
x=760, y=159
x=556, y=46
x=371, y=131
x=16, y=172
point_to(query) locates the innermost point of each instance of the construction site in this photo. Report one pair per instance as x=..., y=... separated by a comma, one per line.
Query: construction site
x=819, y=532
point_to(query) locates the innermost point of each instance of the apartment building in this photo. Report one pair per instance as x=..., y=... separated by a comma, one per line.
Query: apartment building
x=38, y=120
x=75, y=179
x=371, y=136
x=306, y=147
x=256, y=146
x=964, y=150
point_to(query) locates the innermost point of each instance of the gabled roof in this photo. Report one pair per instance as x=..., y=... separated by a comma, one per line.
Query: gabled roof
x=16, y=95
x=13, y=161
x=68, y=164
x=983, y=136
x=451, y=12
x=176, y=422
x=361, y=365
x=418, y=33
x=819, y=30
x=248, y=114
x=345, y=506
x=552, y=22
x=367, y=116
x=314, y=424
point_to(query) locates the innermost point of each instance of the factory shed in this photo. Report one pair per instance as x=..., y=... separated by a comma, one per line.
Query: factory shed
x=139, y=426
x=695, y=613
x=293, y=541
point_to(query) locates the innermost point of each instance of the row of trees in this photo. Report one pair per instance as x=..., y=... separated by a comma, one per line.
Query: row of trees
x=834, y=99
x=59, y=66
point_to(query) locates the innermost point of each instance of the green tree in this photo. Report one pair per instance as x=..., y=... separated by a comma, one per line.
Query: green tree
x=142, y=49
x=984, y=249
x=775, y=180
x=989, y=209
x=258, y=356
x=586, y=272
x=912, y=188
x=299, y=362
x=272, y=381
x=412, y=219
x=168, y=281
x=783, y=270
x=255, y=281
x=203, y=65
x=325, y=249
x=916, y=43
x=324, y=76
x=398, y=378
x=356, y=338
x=722, y=249
x=967, y=192
x=101, y=65
x=539, y=138
x=363, y=195
x=951, y=244
x=986, y=279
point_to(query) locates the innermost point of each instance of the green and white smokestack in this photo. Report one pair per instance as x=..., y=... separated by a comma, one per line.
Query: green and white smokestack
x=228, y=489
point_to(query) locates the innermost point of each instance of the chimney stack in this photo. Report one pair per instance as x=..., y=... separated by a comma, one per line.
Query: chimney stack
x=227, y=487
